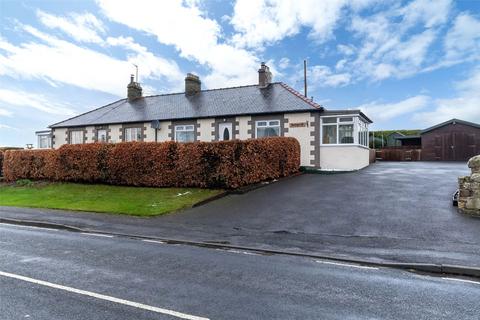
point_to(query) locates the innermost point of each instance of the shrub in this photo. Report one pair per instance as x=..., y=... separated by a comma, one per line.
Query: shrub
x=1, y=163
x=82, y=162
x=226, y=164
x=30, y=164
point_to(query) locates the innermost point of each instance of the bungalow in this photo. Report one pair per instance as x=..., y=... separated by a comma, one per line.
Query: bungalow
x=329, y=139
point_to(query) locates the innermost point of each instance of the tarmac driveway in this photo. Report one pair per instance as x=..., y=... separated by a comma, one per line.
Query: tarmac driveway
x=398, y=211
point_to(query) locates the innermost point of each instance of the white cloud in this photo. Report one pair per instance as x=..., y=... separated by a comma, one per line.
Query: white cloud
x=23, y=99
x=4, y=126
x=267, y=21
x=60, y=61
x=396, y=42
x=284, y=63
x=5, y=113
x=463, y=39
x=81, y=27
x=322, y=76
x=385, y=111
x=345, y=49
x=430, y=12
x=465, y=105
x=196, y=37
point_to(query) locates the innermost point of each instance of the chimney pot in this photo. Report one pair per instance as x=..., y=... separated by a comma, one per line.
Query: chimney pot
x=193, y=85
x=264, y=76
x=134, y=90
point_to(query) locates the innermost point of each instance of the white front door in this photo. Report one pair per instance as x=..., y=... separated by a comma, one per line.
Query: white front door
x=225, y=131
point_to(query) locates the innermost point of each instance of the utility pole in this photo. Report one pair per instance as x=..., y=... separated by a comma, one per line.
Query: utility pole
x=305, y=76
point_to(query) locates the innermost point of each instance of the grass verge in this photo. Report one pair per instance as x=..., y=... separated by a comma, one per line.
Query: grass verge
x=102, y=198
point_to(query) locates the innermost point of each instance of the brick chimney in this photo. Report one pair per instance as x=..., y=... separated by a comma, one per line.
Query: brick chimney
x=264, y=76
x=193, y=85
x=134, y=90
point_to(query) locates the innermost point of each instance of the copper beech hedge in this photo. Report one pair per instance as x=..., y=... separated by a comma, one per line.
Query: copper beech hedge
x=1, y=163
x=229, y=164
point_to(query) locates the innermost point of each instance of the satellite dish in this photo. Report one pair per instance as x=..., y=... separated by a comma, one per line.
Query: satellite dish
x=155, y=124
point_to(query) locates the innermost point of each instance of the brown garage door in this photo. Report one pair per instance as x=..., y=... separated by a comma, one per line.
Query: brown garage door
x=454, y=146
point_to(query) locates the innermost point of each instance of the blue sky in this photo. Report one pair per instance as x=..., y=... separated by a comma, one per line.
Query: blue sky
x=407, y=64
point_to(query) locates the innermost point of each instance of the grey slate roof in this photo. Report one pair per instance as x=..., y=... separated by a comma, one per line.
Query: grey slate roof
x=451, y=121
x=246, y=100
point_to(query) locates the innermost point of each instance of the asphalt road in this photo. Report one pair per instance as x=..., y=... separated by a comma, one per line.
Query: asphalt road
x=390, y=211
x=48, y=274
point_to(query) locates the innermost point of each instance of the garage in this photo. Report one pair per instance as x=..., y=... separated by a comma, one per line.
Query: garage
x=453, y=140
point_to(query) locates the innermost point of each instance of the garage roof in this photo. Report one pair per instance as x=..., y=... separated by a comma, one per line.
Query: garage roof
x=452, y=121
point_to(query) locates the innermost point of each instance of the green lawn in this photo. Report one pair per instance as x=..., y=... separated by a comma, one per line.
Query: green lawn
x=103, y=198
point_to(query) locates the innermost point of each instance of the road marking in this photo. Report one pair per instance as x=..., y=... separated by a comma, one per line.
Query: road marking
x=30, y=227
x=461, y=280
x=97, y=234
x=154, y=241
x=347, y=265
x=103, y=297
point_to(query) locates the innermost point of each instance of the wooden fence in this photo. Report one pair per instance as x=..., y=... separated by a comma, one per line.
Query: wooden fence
x=399, y=154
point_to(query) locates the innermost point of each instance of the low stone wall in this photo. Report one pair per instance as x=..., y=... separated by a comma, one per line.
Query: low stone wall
x=469, y=195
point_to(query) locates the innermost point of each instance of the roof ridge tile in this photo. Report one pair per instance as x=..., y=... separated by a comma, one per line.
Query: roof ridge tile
x=301, y=96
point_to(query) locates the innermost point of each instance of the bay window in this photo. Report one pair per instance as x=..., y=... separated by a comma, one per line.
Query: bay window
x=132, y=134
x=185, y=133
x=267, y=128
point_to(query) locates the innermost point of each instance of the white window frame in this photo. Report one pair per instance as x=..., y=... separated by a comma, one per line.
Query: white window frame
x=131, y=134
x=71, y=136
x=359, y=126
x=268, y=124
x=184, y=128
x=98, y=135
x=48, y=139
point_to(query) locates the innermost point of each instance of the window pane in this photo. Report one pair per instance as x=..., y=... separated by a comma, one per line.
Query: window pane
x=268, y=132
x=345, y=133
x=44, y=142
x=350, y=119
x=329, y=120
x=133, y=134
x=261, y=123
x=274, y=123
x=138, y=135
x=76, y=137
x=329, y=135
x=185, y=133
x=102, y=135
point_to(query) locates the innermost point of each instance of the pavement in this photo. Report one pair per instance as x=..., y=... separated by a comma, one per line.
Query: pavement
x=54, y=274
x=388, y=212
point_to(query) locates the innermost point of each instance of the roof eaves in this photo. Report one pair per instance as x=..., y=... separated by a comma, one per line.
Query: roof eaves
x=349, y=111
x=186, y=118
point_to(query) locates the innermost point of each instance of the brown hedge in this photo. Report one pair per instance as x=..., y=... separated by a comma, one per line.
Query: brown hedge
x=29, y=164
x=1, y=163
x=229, y=164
